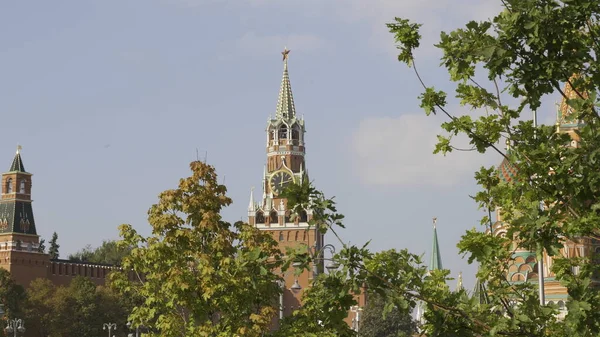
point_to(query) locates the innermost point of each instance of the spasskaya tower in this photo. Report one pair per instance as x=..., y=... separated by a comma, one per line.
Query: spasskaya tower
x=285, y=164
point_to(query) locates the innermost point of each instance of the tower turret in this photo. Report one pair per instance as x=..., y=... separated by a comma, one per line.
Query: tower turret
x=19, y=242
x=435, y=262
x=16, y=213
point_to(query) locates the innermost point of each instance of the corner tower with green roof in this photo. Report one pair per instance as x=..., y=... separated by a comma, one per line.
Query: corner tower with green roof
x=16, y=212
x=19, y=241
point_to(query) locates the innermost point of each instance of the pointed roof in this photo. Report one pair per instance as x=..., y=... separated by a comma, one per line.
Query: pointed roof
x=17, y=164
x=285, y=104
x=507, y=171
x=251, y=204
x=480, y=293
x=17, y=217
x=436, y=258
x=566, y=114
x=459, y=282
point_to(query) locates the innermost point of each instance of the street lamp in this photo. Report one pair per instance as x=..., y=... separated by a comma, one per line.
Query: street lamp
x=15, y=326
x=331, y=265
x=356, y=320
x=295, y=288
x=137, y=330
x=109, y=327
x=281, y=284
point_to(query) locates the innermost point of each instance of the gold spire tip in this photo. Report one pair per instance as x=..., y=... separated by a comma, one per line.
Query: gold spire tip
x=19, y=147
x=285, y=53
x=434, y=222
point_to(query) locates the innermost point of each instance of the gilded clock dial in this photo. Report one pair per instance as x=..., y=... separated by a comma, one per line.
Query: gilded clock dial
x=279, y=181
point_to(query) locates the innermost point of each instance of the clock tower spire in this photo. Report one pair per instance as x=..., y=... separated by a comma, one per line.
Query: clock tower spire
x=285, y=164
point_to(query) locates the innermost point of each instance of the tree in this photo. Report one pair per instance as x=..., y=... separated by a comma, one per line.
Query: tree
x=40, y=313
x=199, y=275
x=84, y=255
x=54, y=246
x=324, y=308
x=79, y=309
x=108, y=253
x=12, y=295
x=42, y=246
x=506, y=65
x=378, y=321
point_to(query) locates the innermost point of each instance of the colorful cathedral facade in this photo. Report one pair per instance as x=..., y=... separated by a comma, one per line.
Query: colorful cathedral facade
x=524, y=267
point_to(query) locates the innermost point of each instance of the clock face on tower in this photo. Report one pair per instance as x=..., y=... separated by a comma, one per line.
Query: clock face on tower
x=279, y=181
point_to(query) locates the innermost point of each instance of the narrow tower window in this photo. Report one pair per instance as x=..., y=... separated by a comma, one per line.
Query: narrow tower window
x=22, y=186
x=280, y=236
x=9, y=187
x=295, y=135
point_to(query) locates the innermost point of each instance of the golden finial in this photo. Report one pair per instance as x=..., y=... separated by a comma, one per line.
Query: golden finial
x=507, y=144
x=285, y=53
x=19, y=149
x=434, y=222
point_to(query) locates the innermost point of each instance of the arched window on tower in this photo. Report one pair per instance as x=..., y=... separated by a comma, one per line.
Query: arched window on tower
x=22, y=186
x=260, y=217
x=9, y=185
x=295, y=135
x=274, y=218
x=283, y=132
x=303, y=216
x=280, y=235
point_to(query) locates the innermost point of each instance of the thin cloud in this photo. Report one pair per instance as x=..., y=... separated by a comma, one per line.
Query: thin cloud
x=398, y=151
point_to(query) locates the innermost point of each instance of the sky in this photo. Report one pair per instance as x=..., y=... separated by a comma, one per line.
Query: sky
x=111, y=100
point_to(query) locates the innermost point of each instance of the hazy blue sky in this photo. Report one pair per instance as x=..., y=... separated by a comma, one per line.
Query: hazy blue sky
x=111, y=99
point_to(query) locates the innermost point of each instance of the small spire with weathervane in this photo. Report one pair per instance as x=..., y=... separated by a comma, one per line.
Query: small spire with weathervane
x=435, y=262
x=17, y=164
x=285, y=104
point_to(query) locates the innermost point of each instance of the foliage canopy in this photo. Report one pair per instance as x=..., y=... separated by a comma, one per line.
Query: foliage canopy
x=531, y=49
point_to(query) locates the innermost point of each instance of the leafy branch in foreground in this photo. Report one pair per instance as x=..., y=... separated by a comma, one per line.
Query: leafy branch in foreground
x=551, y=199
x=197, y=274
